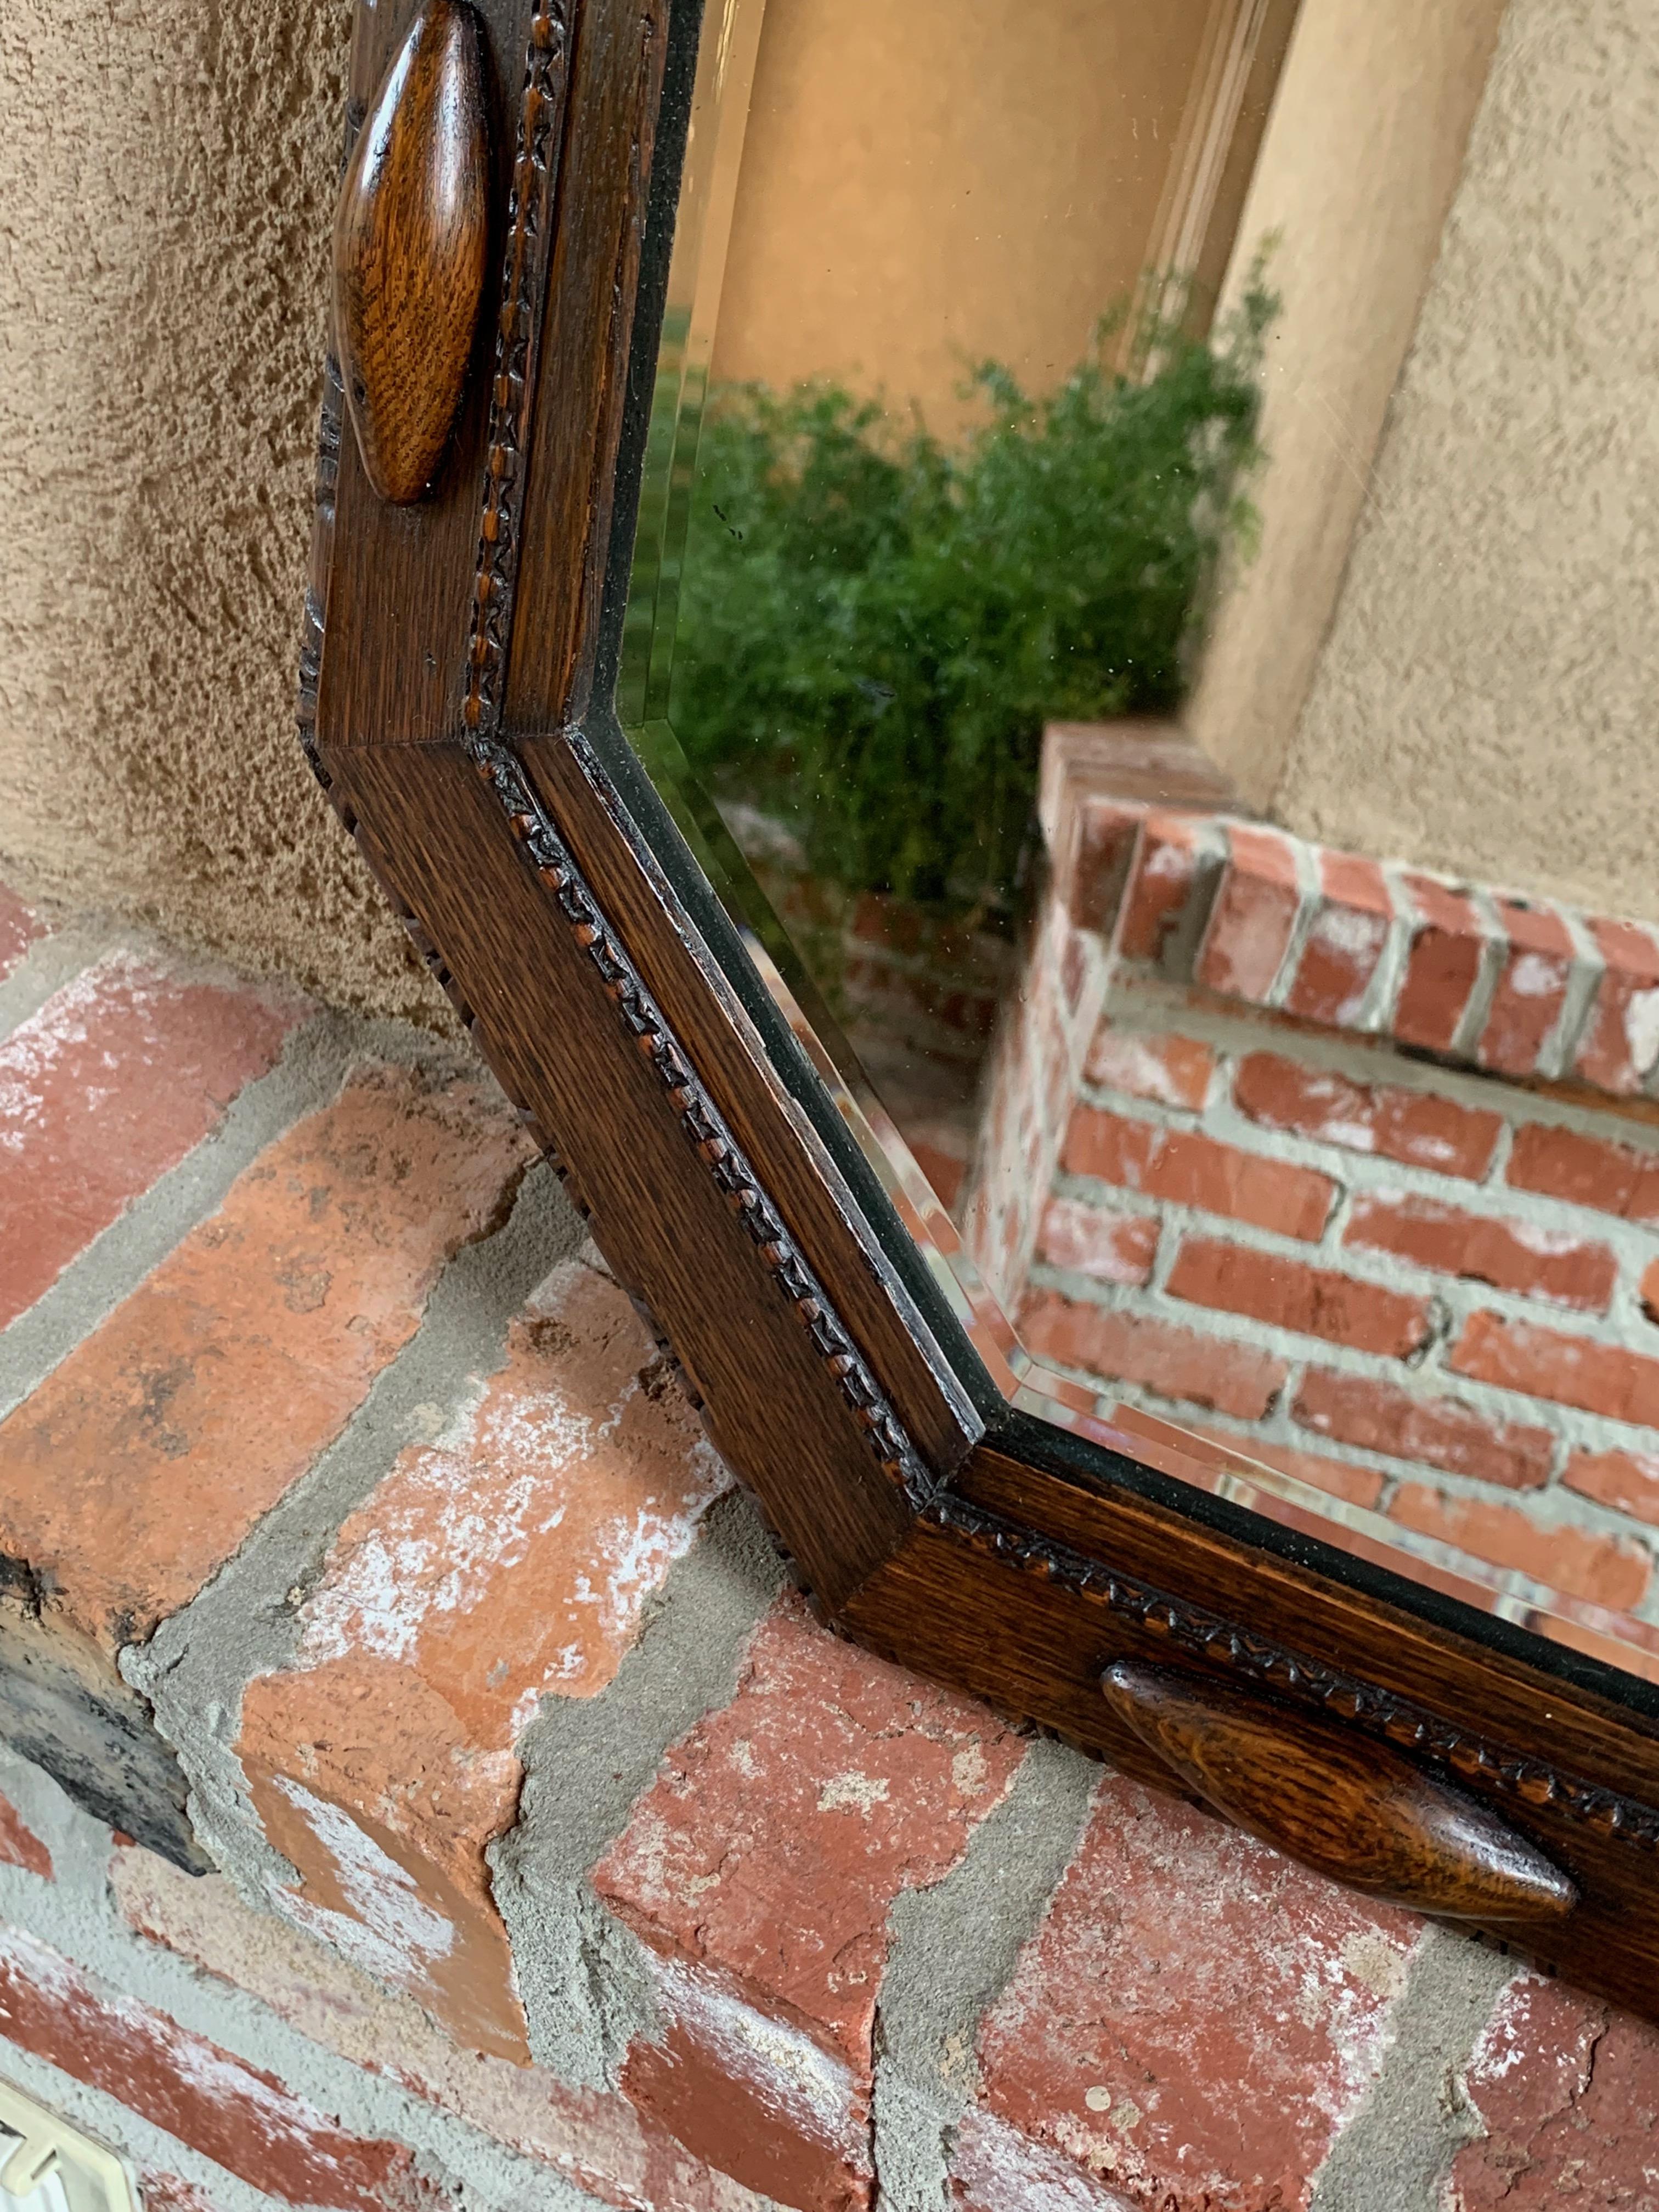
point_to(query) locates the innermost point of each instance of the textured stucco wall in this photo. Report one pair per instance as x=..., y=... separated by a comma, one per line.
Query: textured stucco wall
x=1359, y=161
x=167, y=178
x=1486, y=700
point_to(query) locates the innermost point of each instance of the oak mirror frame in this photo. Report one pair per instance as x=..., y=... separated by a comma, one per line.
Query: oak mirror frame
x=464, y=641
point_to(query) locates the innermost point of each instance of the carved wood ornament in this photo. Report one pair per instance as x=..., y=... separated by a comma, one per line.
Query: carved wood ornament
x=410, y=244
x=455, y=702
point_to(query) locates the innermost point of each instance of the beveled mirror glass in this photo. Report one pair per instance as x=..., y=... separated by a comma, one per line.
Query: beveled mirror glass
x=1089, y=619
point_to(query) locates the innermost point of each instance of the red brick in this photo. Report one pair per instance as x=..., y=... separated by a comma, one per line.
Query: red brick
x=1620, y=1043
x=19, y=927
x=1254, y=916
x=1108, y=1247
x=1348, y=937
x=1649, y=1292
x=1531, y=988
x=1189, y=2027
x=1175, y=1071
x=1286, y=1293
x=1106, y=832
x=102, y=1090
x=1566, y=2093
x=236, y=2114
x=512, y=1561
x=593, y=2136
x=1442, y=1432
x=295, y=1295
x=1171, y=870
x=1626, y=1481
x=1177, y=1363
x=1412, y=1126
x=761, y=1869
x=1611, y=1178
x=1602, y=1569
x=1511, y=1255
x=1573, y=1371
x=1443, y=965
x=1181, y=1167
x=19, y=1845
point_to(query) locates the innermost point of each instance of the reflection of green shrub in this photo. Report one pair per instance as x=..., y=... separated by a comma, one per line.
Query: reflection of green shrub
x=873, y=630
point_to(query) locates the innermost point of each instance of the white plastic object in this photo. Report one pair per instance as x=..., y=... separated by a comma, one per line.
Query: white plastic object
x=48, y=2165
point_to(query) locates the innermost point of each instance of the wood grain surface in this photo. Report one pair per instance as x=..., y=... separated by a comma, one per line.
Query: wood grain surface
x=411, y=243
x=1353, y=1810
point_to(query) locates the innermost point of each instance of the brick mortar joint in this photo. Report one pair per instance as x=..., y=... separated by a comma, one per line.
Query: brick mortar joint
x=1587, y=965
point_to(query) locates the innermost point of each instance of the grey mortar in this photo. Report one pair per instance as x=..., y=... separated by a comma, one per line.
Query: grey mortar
x=307, y=1073
x=76, y=1916
x=51, y=961
x=954, y=1946
x=1393, y=2155
x=584, y=1986
x=246, y=1620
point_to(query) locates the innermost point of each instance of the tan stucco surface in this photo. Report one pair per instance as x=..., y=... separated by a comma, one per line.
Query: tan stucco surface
x=1359, y=163
x=1487, y=700
x=927, y=183
x=167, y=178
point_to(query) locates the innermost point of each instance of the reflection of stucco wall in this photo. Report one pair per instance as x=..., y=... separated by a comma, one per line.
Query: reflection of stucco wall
x=1486, y=699
x=167, y=176
x=927, y=183
x=1360, y=159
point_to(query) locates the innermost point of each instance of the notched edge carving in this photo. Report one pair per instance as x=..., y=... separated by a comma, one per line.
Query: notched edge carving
x=1250, y=1658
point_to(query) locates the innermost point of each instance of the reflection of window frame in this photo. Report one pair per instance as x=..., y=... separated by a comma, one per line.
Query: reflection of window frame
x=463, y=727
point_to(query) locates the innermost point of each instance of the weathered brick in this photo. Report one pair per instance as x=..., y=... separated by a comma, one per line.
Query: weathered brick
x=1173, y=1071
x=1346, y=939
x=1626, y=1481
x=1566, y=2093
x=1573, y=1371
x=1602, y=1569
x=309, y=1278
x=102, y=1090
x=1531, y=987
x=510, y=1563
x=1313, y=1301
x=760, y=1870
x=1412, y=1126
x=1442, y=1432
x=236, y=2114
x=1086, y=1240
x=19, y=1845
x=1442, y=964
x=165, y=2192
x=1649, y=1289
x=1178, y=858
x=1177, y=1363
x=1509, y=1255
x=1182, y=1167
x=19, y=927
x=1254, y=917
x=1611, y=1178
x=1106, y=832
x=1621, y=1043
x=593, y=2136
x=1189, y=2027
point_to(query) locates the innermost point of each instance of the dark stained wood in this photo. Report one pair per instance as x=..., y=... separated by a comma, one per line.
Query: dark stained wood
x=1303, y=1611
x=544, y=1020
x=1006, y=1623
x=570, y=483
x=411, y=241
x=463, y=632
x=1353, y=1810
x=401, y=582
x=793, y=1165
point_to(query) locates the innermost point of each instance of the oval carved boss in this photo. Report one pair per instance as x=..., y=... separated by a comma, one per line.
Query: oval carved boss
x=411, y=243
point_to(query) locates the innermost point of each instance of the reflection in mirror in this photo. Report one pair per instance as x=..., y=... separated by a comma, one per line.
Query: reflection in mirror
x=1089, y=620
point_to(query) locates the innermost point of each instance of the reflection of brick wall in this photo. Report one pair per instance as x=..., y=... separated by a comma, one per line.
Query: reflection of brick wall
x=1359, y=1174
